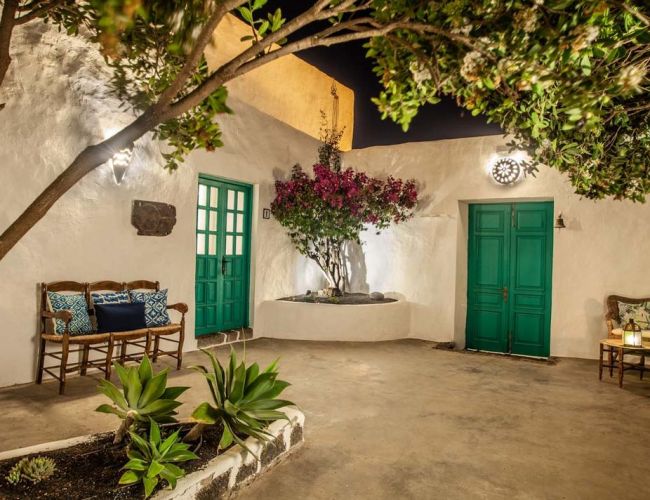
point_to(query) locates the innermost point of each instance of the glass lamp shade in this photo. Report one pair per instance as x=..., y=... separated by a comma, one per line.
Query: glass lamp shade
x=632, y=335
x=120, y=162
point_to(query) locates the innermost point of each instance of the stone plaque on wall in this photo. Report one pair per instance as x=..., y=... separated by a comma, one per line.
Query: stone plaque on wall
x=152, y=218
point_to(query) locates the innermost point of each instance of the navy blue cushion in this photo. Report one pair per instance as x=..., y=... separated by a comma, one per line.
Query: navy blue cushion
x=119, y=317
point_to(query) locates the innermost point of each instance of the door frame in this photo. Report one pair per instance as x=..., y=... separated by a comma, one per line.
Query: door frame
x=462, y=269
x=249, y=188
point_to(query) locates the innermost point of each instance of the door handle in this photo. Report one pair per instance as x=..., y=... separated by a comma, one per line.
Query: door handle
x=505, y=293
x=224, y=261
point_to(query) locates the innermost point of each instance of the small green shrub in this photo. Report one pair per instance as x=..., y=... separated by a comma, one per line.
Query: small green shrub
x=35, y=469
x=153, y=459
x=144, y=396
x=244, y=399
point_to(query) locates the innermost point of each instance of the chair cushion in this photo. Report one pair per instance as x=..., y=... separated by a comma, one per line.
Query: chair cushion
x=76, y=304
x=155, y=306
x=110, y=298
x=640, y=313
x=119, y=317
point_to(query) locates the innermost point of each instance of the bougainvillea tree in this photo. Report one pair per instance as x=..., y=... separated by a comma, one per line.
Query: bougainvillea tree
x=568, y=79
x=325, y=212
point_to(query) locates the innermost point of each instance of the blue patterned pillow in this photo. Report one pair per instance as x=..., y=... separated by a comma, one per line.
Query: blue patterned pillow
x=155, y=306
x=110, y=298
x=76, y=304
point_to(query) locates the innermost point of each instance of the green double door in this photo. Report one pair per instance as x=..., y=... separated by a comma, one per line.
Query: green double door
x=510, y=257
x=222, y=255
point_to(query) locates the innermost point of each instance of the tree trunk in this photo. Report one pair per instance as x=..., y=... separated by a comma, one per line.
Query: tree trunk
x=195, y=433
x=88, y=160
x=123, y=429
x=7, y=23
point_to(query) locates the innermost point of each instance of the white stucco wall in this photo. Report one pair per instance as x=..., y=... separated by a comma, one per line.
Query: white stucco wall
x=603, y=250
x=57, y=103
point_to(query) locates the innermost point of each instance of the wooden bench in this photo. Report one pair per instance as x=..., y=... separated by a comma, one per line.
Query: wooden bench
x=104, y=343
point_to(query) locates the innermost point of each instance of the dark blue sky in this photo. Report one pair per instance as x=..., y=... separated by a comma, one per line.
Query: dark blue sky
x=347, y=64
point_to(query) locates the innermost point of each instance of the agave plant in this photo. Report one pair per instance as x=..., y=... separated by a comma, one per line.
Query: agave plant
x=144, y=396
x=244, y=400
x=153, y=459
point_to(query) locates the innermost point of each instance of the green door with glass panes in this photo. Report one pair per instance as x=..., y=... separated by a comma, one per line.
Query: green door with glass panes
x=222, y=255
x=510, y=256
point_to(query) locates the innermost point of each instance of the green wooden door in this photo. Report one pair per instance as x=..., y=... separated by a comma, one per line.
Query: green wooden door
x=222, y=255
x=510, y=256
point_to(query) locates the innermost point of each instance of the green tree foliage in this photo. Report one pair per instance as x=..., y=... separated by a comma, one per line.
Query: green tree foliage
x=567, y=79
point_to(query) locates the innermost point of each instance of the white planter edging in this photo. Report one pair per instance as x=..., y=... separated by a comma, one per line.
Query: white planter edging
x=223, y=473
x=284, y=319
x=236, y=466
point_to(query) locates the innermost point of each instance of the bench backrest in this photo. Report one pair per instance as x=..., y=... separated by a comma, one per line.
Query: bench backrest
x=613, y=313
x=86, y=289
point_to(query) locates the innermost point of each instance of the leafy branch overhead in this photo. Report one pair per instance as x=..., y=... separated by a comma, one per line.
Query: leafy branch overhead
x=567, y=79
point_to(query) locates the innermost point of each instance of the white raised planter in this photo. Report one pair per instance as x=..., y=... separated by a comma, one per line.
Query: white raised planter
x=317, y=321
x=223, y=473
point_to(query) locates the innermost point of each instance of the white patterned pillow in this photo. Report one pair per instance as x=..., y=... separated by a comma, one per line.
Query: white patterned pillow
x=155, y=306
x=640, y=313
x=110, y=298
x=80, y=323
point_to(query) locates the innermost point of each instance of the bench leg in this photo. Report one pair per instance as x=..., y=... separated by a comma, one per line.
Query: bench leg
x=610, y=360
x=181, y=339
x=156, y=347
x=84, y=360
x=600, y=363
x=621, y=368
x=41, y=362
x=64, y=363
x=109, y=358
x=123, y=352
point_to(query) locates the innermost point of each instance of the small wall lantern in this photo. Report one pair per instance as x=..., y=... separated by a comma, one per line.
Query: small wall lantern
x=632, y=335
x=120, y=163
x=559, y=222
x=266, y=213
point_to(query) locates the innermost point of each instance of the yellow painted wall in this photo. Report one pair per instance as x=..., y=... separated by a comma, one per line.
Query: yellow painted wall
x=288, y=88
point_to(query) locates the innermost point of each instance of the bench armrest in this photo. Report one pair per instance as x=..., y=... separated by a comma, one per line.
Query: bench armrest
x=181, y=307
x=62, y=315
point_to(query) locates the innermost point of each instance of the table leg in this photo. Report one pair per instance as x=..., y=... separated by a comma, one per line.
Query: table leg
x=642, y=366
x=621, y=369
x=600, y=363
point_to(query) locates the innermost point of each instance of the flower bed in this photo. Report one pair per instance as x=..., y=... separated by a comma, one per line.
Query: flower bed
x=90, y=466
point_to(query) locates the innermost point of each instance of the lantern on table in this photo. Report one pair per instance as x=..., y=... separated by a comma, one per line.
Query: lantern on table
x=632, y=335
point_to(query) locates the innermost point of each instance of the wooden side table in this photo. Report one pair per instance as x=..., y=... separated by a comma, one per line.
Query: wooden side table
x=621, y=350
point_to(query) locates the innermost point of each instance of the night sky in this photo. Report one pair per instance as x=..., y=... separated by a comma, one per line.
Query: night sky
x=347, y=64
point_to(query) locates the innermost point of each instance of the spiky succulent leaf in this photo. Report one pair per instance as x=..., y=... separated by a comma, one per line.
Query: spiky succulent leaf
x=151, y=460
x=143, y=396
x=244, y=399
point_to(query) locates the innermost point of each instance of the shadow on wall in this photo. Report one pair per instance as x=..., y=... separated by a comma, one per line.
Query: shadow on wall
x=354, y=260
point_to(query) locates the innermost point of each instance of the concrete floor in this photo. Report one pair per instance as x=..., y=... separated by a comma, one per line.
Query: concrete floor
x=402, y=420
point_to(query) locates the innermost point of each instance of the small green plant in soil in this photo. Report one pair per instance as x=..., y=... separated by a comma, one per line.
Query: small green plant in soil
x=244, y=400
x=153, y=459
x=144, y=396
x=35, y=469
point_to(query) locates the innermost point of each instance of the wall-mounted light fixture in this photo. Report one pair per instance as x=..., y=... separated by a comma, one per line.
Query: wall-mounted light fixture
x=559, y=222
x=506, y=168
x=120, y=163
x=121, y=160
x=266, y=213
